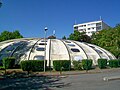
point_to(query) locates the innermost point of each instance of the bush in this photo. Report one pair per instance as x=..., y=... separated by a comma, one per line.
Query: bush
x=87, y=64
x=102, y=63
x=26, y=65
x=64, y=64
x=118, y=63
x=8, y=62
x=32, y=65
x=37, y=65
x=77, y=65
x=113, y=63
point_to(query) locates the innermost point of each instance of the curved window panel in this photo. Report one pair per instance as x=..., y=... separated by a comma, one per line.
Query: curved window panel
x=92, y=46
x=38, y=57
x=71, y=45
x=42, y=43
x=40, y=49
x=75, y=50
x=67, y=41
x=98, y=51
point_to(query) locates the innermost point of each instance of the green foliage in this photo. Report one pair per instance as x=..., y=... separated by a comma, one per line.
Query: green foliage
x=119, y=62
x=61, y=64
x=6, y=35
x=113, y=63
x=8, y=62
x=26, y=65
x=32, y=65
x=87, y=64
x=79, y=36
x=77, y=65
x=64, y=38
x=109, y=40
x=102, y=63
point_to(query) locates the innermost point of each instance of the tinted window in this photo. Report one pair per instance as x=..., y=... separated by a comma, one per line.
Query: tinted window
x=67, y=41
x=42, y=43
x=92, y=47
x=75, y=50
x=40, y=49
x=98, y=51
x=71, y=45
x=38, y=57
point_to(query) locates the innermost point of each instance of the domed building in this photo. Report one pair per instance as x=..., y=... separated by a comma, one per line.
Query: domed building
x=56, y=49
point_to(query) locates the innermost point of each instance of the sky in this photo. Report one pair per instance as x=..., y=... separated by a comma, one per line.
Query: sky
x=30, y=17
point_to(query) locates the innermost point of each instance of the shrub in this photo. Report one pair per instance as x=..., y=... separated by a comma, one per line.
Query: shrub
x=113, y=63
x=87, y=64
x=64, y=64
x=26, y=65
x=118, y=63
x=32, y=65
x=8, y=62
x=37, y=65
x=77, y=65
x=102, y=63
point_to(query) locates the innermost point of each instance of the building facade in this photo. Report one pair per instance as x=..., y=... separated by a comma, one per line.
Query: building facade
x=91, y=27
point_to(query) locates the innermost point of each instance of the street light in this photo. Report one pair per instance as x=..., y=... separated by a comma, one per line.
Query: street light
x=45, y=47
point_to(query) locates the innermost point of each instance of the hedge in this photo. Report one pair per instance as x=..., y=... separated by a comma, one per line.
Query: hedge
x=61, y=64
x=102, y=63
x=32, y=65
x=114, y=63
x=77, y=65
x=8, y=62
x=87, y=64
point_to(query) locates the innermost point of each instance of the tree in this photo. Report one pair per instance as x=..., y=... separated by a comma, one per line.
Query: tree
x=79, y=36
x=64, y=37
x=6, y=35
x=109, y=40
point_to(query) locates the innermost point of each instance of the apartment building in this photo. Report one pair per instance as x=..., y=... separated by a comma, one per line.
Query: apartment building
x=91, y=27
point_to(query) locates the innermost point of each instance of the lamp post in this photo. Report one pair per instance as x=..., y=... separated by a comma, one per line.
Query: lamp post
x=45, y=47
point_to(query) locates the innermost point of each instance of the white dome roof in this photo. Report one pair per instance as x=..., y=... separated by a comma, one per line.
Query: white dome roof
x=34, y=49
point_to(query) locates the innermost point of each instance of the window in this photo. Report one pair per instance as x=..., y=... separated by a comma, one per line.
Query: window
x=67, y=41
x=38, y=57
x=98, y=51
x=40, y=49
x=98, y=28
x=88, y=28
x=81, y=26
x=42, y=43
x=76, y=28
x=92, y=46
x=98, y=24
x=71, y=45
x=75, y=50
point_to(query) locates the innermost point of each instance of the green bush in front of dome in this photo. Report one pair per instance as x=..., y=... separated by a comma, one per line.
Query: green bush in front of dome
x=32, y=65
x=113, y=63
x=102, y=63
x=87, y=64
x=8, y=62
x=61, y=64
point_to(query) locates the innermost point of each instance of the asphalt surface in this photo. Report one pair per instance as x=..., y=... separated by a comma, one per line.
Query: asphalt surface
x=91, y=81
x=71, y=81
